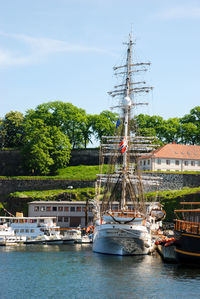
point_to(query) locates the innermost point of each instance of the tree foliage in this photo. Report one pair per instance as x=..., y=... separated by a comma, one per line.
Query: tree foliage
x=47, y=133
x=46, y=148
x=11, y=130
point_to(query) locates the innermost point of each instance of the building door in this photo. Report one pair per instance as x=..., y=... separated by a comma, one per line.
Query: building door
x=75, y=221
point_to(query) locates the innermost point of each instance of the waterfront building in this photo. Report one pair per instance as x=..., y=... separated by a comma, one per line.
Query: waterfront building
x=172, y=157
x=67, y=213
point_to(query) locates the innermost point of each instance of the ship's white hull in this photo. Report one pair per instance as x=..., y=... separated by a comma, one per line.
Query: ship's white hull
x=121, y=239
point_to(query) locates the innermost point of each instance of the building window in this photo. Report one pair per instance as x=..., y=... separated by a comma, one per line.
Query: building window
x=158, y=169
x=192, y=163
x=159, y=161
x=177, y=162
x=36, y=208
x=140, y=162
x=186, y=163
x=48, y=209
x=21, y=230
x=65, y=219
x=148, y=162
x=83, y=209
x=144, y=162
x=66, y=209
x=32, y=230
x=78, y=209
x=168, y=170
x=114, y=207
x=59, y=219
x=130, y=208
x=41, y=220
x=72, y=209
x=198, y=163
x=60, y=209
x=54, y=209
x=42, y=208
x=90, y=209
x=27, y=230
x=168, y=162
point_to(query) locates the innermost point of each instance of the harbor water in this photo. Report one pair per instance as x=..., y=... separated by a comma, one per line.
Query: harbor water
x=74, y=271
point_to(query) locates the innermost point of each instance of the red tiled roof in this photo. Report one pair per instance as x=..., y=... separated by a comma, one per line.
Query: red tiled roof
x=176, y=151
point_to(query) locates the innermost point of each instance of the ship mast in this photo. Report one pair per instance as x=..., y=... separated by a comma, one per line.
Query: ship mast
x=127, y=105
x=134, y=146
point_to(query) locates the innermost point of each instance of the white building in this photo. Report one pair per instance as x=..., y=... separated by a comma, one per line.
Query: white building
x=172, y=157
x=67, y=213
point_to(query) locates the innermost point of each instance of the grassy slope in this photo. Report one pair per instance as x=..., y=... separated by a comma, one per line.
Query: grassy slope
x=81, y=172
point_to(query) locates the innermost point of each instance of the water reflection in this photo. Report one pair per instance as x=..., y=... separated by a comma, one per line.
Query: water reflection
x=57, y=270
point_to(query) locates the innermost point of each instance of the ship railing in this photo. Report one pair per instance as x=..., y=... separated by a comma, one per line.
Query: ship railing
x=187, y=226
x=119, y=213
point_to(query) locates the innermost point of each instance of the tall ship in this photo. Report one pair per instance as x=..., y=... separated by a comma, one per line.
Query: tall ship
x=125, y=223
x=187, y=233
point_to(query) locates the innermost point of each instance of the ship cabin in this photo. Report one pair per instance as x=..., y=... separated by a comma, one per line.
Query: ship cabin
x=190, y=214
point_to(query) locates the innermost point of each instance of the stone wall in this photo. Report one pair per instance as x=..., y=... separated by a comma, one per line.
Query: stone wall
x=8, y=186
x=84, y=157
x=170, y=181
x=11, y=162
x=175, y=181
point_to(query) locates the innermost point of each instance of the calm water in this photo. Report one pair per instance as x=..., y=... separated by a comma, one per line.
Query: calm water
x=74, y=271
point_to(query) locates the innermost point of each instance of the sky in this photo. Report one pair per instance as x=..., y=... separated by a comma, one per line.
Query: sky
x=65, y=50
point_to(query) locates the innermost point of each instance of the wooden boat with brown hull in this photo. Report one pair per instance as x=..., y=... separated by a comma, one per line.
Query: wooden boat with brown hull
x=187, y=233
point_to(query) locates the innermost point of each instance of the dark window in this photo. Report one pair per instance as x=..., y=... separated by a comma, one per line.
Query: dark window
x=72, y=209
x=148, y=162
x=159, y=161
x=60, y=209
x=65, y=219
x=59, y=219
x=48, y=209
x=144, y=162
x=54, y=209
x=66, y=209
x=177, y=162
x=186, y=163
x=168, y=162
x=192, y=163
x=78, y=209
x=36, y=208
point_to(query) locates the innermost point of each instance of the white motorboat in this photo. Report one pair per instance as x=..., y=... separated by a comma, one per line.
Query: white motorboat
x=71, y=235
x=29, y=230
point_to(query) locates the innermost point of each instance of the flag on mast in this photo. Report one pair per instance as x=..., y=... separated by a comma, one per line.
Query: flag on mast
x=123, y=145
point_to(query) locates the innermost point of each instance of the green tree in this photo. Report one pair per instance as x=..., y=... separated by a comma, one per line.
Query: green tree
x=104, y=124
x=192, y=117
x=45, y=149
x=170, y=131
x=11, y=129
x=189, y=133
x=66, y=116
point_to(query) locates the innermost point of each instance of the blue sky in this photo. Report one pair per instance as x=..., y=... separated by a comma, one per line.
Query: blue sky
x=65, y=50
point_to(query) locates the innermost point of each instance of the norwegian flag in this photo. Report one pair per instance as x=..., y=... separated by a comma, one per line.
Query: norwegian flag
x=123, y=145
